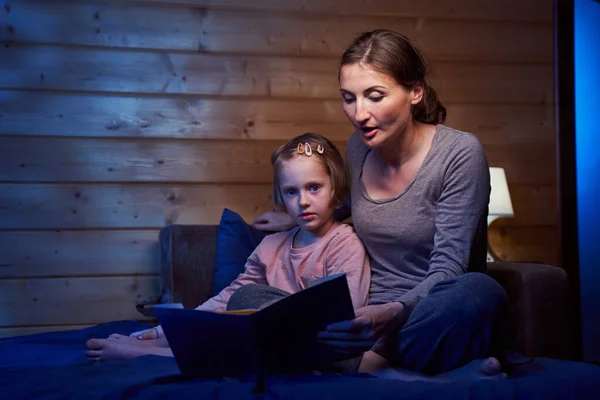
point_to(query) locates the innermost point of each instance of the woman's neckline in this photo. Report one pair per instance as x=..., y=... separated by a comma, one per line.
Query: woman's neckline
x=363, y=188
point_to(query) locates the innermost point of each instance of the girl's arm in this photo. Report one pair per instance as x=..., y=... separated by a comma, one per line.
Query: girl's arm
x=254, y=272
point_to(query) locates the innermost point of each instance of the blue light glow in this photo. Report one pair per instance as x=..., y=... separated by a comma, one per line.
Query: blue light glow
x=587, y=138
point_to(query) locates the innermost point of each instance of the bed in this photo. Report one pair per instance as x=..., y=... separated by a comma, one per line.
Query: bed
x=51, y=365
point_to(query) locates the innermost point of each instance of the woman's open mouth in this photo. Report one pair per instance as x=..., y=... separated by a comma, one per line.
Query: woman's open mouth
x=369, y=131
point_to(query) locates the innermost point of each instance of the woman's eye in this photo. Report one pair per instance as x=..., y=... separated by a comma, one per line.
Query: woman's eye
x=348, y=100
x=376, y=99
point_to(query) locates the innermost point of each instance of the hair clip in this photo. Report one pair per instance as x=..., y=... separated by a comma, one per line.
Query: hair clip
x=304, y=148
x=320, y=149
x=307, y=149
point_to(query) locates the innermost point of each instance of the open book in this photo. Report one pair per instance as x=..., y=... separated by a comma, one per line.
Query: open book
x=279, y=338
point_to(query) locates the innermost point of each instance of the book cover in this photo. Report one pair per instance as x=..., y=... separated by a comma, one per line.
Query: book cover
x=279, y=338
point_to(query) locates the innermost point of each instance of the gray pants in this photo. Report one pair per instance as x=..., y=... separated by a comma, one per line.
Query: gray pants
x=253, y=296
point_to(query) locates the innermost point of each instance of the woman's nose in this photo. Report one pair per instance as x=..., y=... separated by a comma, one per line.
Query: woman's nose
x=361, y=113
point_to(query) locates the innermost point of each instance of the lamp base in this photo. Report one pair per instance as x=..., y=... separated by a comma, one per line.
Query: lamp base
x=491, y=256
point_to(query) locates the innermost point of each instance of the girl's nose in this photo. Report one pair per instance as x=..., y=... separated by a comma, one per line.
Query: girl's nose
x=303, y=199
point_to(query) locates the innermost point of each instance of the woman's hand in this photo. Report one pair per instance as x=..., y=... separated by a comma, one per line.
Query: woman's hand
x=274, y=222
x=361, y=333
x=147, y=334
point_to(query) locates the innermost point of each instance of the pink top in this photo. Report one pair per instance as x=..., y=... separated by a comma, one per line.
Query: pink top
x=275, y=263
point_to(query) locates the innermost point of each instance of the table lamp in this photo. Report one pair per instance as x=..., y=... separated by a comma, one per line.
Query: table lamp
x=500, y=204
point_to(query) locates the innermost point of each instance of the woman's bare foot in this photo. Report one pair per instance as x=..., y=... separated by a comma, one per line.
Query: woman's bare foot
x=107, y=349
x=376, y=365
x=373, y=362
x=488, y=368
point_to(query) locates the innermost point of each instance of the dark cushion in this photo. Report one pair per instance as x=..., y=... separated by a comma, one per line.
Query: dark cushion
x=236, y=240
x=538, y=304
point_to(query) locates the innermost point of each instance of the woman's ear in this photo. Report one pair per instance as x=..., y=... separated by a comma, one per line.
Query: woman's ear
x=417, y=92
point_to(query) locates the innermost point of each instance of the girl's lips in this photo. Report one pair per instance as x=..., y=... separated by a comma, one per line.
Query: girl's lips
x=307, y=217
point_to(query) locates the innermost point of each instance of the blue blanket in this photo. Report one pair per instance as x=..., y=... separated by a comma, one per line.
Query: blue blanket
x=51, y=365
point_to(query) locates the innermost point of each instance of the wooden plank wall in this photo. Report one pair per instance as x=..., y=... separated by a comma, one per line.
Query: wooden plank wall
x=119, y=117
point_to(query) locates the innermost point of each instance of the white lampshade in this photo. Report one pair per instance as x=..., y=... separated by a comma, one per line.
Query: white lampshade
x=500, y=204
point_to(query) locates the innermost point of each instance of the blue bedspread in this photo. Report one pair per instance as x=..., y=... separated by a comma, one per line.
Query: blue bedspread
x=51, y=365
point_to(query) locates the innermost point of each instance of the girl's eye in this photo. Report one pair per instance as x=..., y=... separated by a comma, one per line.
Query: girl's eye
x=376, y=99
x=290, y=192
x=314, y=188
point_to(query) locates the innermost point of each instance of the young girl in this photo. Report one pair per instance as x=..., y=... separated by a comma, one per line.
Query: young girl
x=309, y=182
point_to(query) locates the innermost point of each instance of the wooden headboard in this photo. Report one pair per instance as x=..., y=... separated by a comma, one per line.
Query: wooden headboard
x=188, y=282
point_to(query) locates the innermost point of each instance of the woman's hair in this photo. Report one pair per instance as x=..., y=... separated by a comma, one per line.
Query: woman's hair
x=330, y=159
x=393, y=54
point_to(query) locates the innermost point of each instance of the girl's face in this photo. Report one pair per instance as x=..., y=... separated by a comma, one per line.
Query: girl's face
x=378, y=107
x=306, y=189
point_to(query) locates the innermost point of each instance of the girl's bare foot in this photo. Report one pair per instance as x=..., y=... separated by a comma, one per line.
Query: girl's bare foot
x=107, y=349
x=136, y=341
x=132, y=341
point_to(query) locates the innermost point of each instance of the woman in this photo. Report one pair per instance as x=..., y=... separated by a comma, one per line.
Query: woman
x=419, y=196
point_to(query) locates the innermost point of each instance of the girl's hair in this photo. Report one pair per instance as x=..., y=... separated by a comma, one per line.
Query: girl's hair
x=330, y=159
x=393, y=54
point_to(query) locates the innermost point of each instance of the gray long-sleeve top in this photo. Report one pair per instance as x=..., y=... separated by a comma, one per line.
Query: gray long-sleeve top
x=435, y=229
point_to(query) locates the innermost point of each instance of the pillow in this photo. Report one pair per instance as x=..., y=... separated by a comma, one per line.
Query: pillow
x=236, y=240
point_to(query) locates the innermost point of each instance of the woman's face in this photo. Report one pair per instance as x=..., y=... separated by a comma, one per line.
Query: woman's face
x=378, y=107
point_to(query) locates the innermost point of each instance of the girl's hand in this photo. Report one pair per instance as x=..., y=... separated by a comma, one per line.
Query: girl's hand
x=147, y=334
x=274, y=222
x=361, y=333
